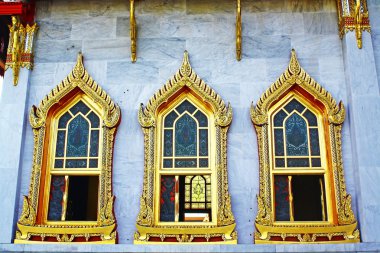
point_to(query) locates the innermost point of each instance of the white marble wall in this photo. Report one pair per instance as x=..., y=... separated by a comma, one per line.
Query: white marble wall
x=374, y=11
x=100, y=29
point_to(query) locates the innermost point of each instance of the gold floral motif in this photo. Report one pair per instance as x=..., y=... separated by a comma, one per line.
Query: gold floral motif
x=68, y=232
x=295, y=77
x=147, y=225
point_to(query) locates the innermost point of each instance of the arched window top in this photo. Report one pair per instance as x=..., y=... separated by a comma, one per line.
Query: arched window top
x=75, y=126
x=298, y=124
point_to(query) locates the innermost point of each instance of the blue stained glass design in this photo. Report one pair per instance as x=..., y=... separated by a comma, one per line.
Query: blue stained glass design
x=186, y=136
x=186, y=106
x=281, y=198
x=58, y=163
x=298, y=162
x=168, y=163
x=315, y=162
x=94, y=145
x=279, y=118
x=170, y=118
x=94, y=119
x=80, y=107
x=57, y=188
x=280, y=162
x=167, y=199
x=168, y=143
x=279, y=141
x=296, y=136
x=79, y=163
x=63, y=120
x=311, y=118
x=60, y=145
x=93, y=163
x=202, y=119
x=203, y=142
x=185, y=163
x=314, y=141
x=294, y=105
x=77, y=141
x=203, y=163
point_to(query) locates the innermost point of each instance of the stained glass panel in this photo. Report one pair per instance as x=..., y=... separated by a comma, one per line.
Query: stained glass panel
x=94, y=119
x=80, y=107
x=185, y=163
x=168, y=143
x=63, y=120
x=296, y=136
x=281, y=198
x=58, y=163
x=186, y=106
x=294, y=105
x=168, y=163
x=198, y=189
x=203, y=162
x=93, y=163
x=170, y=118
x=279, y=118
x=202, y=119
x=314, y=141
x=57, y=189
x=280, y=162
x=79, y=163
x=203, y=142
x=167, y=199
x=78, y=133
x=316, y=162
x=279, y=142
x=186, y=136
x=311, y=118
x=94, y=146
x=60, y=146
x=298, y=162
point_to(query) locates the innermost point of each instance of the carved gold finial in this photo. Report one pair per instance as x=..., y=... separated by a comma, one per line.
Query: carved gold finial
x=294, y=66
x=185, y=67
x=78, y=70
x=358, y=23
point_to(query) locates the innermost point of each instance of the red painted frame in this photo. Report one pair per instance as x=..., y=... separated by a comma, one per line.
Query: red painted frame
x=25, y=10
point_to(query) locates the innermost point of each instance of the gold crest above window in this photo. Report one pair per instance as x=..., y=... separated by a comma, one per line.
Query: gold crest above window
x=70, y=198
x=303, y=195
x=185, y=195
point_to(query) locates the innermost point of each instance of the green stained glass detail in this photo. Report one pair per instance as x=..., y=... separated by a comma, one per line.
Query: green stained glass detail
x=185, y=163
x=186, y=136
x=203, y=142
x=311, y=118
x=60, y=145
x=63, y=120
x=294, y=105
x=202, y=119
x=94, y=119
x=78, y=135
x=170, y=118
x=186, y=106
x=279, y=118
x=77, y=163
x=80, y=107
x=94, y=148
x=296, y=136
x=168, y=143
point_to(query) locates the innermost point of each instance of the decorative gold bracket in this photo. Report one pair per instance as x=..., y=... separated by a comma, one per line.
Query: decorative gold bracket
x=19, y=54
x=133, y=30
x=353, y=16
x=238, y=30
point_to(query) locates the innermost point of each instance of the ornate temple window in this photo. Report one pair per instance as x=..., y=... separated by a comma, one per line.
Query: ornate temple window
x=302, y=189
x=185, y=194
x=70, y=197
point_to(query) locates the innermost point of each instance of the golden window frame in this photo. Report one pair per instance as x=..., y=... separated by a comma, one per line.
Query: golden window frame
x=341, y=226
x=33, y=226
x=185, y=84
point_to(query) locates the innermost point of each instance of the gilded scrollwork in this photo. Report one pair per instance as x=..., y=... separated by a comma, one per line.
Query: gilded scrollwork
x=77, y=81
x=296, y=78
x=147, y=225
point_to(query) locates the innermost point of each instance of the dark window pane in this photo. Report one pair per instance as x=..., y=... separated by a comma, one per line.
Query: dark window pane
x=314, y=141
x=94, y=119
x=58, y=163
x=311, y=118
x=60, y=147
x=77, y=141
x=93, y=163
x=298, y=162
x=186, y=106
x=170, y=118
x=316, y=162
x=203, y=162
x=185, y=163
x=80, y=107
x=80, y=163
x=94, y=148
x=167, y=199
x=307, y=198
x=279, y=118
x=296, y=136
x=82, y=202
x=202, y=119
x=203, y=142
x=63, y=120
x=168, y=163
x=57, y=189
x=280, y=162
x=186, y=136
x=281, y=198
x=294, y=105
x=168, y=143
x=279, y=142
